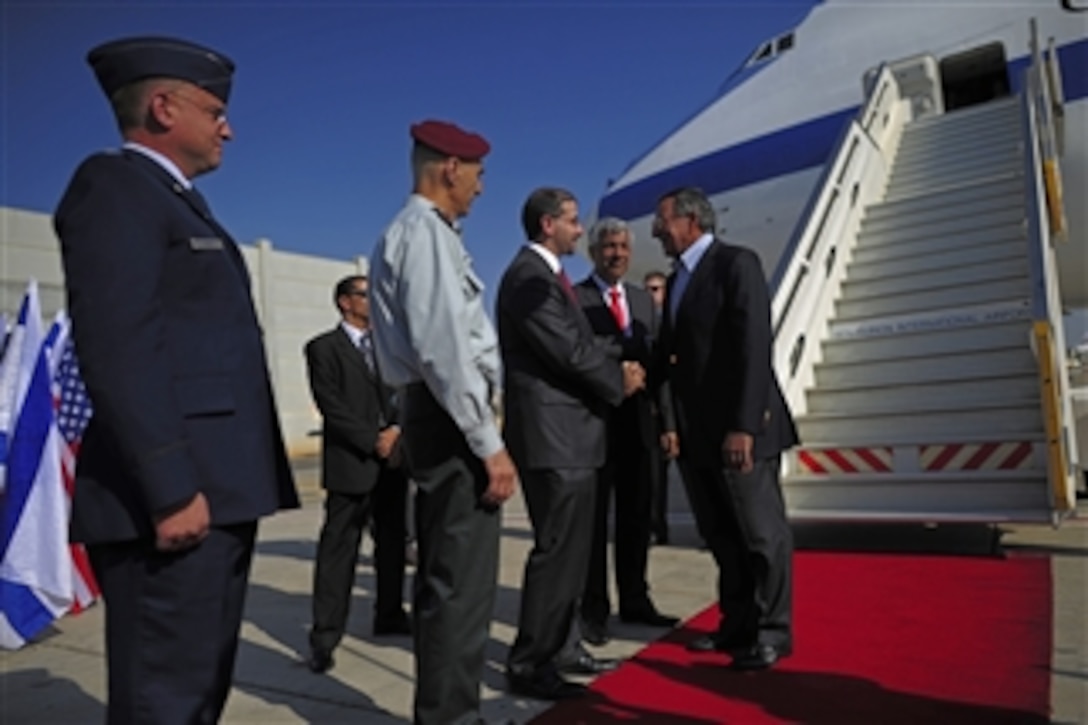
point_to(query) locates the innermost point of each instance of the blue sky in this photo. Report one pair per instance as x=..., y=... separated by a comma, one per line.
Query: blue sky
x=568, y=93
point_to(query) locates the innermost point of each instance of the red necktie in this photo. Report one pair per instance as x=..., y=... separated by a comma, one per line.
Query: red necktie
x=616, y=306
x=565, y=281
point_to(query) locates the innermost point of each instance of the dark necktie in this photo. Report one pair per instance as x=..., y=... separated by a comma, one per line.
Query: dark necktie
x=565, y=281
x=367, y=350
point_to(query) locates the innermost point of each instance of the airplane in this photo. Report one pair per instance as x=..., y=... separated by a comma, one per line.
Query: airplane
x=758, y=149
x=887, y=350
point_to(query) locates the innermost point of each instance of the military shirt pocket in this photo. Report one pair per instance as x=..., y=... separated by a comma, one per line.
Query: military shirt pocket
x=471, y=285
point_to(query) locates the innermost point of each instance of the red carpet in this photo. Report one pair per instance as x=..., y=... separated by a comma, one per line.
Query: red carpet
x=879, y=638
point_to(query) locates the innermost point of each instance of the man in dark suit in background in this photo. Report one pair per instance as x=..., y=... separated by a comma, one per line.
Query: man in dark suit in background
x=360, y=473
x=733, y=425
x=184, y=452
x=559, y=383
x=623, y=314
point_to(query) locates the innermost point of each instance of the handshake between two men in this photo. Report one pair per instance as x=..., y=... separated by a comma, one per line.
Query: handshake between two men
x=634, y=378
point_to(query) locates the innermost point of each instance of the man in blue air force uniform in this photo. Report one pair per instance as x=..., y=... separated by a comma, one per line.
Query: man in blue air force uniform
x=184, y=452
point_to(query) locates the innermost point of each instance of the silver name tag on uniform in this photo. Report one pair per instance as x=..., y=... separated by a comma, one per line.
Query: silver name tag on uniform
x=200, y=244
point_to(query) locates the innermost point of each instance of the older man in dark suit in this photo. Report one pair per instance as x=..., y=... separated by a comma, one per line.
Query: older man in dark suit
x=559, y=383
x=361, y=474
x=184, y=452
x=733, y=425
x=624, y=315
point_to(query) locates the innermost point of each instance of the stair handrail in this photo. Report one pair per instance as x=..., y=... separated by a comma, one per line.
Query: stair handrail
x=809, y=276
x=1048, y=339
x=1057, y=95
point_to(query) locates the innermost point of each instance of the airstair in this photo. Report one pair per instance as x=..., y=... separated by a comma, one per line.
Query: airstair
x=918, y=330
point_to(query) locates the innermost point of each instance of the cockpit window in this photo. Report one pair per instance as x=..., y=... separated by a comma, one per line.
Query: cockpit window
x=770, y=49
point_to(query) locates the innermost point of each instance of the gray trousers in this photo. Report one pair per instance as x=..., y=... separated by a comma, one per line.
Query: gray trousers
x=742, y=518
x=456, y=576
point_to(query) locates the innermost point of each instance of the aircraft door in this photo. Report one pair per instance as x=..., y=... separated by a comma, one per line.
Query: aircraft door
x=974, y=76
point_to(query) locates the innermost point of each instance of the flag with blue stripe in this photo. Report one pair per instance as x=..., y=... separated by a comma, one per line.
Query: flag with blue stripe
x=35, y=562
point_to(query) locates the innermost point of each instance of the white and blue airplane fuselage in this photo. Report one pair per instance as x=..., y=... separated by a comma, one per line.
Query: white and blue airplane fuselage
x=758, y=149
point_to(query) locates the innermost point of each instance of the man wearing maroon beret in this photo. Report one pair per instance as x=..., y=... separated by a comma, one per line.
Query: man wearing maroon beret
x=434, y=341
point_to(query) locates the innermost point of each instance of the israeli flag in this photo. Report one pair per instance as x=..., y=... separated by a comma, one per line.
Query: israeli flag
x=35, y=563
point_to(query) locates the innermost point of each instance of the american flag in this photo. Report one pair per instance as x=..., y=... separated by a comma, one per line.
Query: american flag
x=73, y=412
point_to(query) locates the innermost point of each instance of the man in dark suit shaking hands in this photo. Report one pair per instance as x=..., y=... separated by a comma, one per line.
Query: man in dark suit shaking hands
x=361, y=475
x=733, y=425
x=625, y=315
x=559, y=383
x=184, y=452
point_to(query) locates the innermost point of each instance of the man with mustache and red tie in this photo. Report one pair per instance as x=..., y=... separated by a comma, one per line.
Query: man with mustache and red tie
x=624, y=314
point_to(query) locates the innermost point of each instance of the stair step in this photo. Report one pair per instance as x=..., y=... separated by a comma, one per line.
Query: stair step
x=923, y=397
x=979, y=247
x=920, y=216
x=1011, y=216
x=994, y=127
x=1009, y=184
x=932, y=368
x=853, y=290
x=941, y=187
x=991, y=111
x=934, y=298
x=926, y=498
x=998, y=420
x=976, y=338
x=902, y=181
x=912, y=188
x=976, y=149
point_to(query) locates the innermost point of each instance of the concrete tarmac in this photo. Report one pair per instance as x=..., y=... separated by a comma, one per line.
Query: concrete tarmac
x=61, y=677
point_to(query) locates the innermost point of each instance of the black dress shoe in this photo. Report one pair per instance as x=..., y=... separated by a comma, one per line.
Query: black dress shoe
x=758, y=657
x=545, y=685
x=717, y=643
x=396, y=624
x=586, y=664
x=648, y=615
x=595, y=633
x=319, y=661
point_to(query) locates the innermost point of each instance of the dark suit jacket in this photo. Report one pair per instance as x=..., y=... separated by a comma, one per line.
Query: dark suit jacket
x=638, y=347
x=719, y=362
x=354, y=406
x=559, y=380
x=171, y=353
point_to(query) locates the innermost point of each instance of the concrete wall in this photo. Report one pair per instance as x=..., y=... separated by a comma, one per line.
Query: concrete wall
x=292, y=293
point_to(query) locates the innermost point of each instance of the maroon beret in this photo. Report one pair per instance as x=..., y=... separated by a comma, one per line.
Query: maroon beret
x=449, y=139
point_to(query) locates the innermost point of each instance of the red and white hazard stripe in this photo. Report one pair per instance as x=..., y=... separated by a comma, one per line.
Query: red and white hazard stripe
x=846, y=460
x=1004, y=456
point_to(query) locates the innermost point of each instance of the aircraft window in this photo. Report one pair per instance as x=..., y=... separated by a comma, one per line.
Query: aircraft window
x=772, y=48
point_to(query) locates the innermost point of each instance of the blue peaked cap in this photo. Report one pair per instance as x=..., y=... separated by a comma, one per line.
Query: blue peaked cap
x=121, y=62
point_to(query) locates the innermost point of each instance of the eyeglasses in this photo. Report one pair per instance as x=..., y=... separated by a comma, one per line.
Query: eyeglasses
x=218, y=114
x=358, y=293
